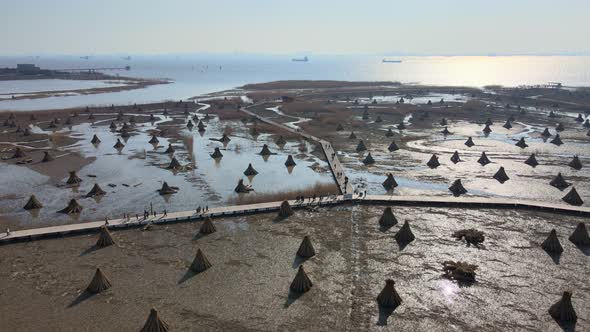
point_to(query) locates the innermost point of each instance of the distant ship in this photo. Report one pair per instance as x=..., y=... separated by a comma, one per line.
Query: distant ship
x=128, y=58
x=304, y=59
x=391, y=61
x=86, y=57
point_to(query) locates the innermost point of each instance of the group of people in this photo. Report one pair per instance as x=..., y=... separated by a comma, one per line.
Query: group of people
x=203, y=210
x=301, y=199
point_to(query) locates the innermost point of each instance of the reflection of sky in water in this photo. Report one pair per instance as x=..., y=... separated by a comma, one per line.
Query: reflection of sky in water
x=139, y=169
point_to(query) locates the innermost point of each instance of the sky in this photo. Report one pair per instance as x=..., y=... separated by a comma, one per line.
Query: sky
x=435, y=27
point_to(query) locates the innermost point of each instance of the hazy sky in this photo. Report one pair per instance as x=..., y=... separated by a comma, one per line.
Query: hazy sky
x=297, y=26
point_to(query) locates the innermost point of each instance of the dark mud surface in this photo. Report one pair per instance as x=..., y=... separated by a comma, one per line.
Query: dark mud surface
x=254, y=262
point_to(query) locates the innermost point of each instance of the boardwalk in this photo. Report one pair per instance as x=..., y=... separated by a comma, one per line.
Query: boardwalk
x=227, y=211
x=333, y=162
x=339, y=176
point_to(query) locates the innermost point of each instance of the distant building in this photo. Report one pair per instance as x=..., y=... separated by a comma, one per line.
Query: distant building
x=27, y=68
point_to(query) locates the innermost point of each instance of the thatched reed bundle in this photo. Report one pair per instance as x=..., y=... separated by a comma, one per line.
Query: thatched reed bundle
x=443, y=122
x=154, y=140
x=152, y=118
x=546, y=133
x=72, y=208
x=471, y=236
x=521, y=143
x=33, y=117
x=225, y=139
x=99, y=283
x=200, y=263
x=52, y=124
x=47, y=157
x=366, y=114
x=532, y=161
x=91, y=116
x=339, y=127
x=281, y=141
x=580, y=118
x=559, y=182
x=563, y=310
x=19, y=130
x=95, y=140
x=401, y=126
x=285, y=210
x=104, y=238
x=580, y=235
x=389, y=133
x=469, y=142
x=290, y=162
x=27, y=132
x=301, y=283
x=68, y=121
x=575, y=163
x=166, y=189
x=125, y=134
x=352, y=135
x=216, y=154
x=455, y=157
x=501, y=175
x=460, y=271
x=306, y=249
x=154, y=323
x=18, y=153
x=433, y=162
x=483, y=160
x=33, y=203
x=457, y=188
x=552, y=114
x=241, y=188
x=250, y=171
x=404, y=235
x=560, y=127
x=446, y=131
x=507, y=125
x=557, y=140
x=361, y=146
x=113, y=126
x=378, y=119
x=489, y=122
x=189, y=124
x=369, y=159
x=96, y=191
x=573, y=198
x=389, y=182
x=201, y=125
x=254, y=131
x=487, y=129
x=207, y=227
x=587, y=123
x=125, y=126
x=119, y=145
x=265, y=151
x=174, y=164
x=387, y=218
x=388, y=297
x=73, y=178
x=551, y=243
x=392, y=147
x=170, y=149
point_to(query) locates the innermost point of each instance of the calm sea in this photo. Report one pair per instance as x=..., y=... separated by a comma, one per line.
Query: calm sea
x=196, y=75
